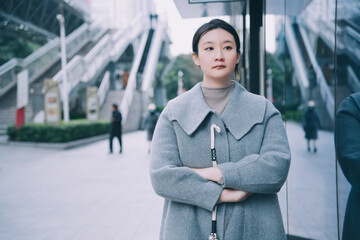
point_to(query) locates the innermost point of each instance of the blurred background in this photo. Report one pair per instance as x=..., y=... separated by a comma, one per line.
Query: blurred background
x=68, y=61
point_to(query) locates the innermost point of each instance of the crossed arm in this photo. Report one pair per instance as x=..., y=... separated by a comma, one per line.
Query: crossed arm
x=199, y=187
x=227, y=195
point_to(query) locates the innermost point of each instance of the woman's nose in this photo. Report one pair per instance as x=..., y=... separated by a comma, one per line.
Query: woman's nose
x=219, y=55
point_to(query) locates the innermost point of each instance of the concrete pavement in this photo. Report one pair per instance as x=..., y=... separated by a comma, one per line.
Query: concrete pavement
x=308, y=199
x=82, y=193
x=85, y=193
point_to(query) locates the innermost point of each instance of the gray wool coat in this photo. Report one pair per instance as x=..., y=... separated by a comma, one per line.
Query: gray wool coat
x=252, y=153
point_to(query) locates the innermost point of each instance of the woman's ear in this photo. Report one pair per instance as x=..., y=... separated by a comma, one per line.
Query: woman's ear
x=238, y=57
x=196, y=59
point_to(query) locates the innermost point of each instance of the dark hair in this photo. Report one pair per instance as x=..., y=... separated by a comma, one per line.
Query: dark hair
x=115, y=106
x=215, y=24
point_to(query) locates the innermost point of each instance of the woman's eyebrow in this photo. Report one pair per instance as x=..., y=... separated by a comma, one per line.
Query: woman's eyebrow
x=211, y=42
x=228, y=41
x=208, y=42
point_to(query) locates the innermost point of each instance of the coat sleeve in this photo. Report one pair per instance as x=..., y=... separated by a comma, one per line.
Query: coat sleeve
x=170, y=179
x=348, y=141
x=267, y=171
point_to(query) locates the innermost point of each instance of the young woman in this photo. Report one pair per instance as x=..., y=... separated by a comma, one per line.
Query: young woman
x=252, y=151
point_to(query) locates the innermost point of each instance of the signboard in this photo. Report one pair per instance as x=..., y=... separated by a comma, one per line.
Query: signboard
x=92, y=106
x=22, y=88
x=52, y=102
x=52, y=110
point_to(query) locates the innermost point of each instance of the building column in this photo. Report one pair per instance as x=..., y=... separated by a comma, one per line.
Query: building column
x=256, y=20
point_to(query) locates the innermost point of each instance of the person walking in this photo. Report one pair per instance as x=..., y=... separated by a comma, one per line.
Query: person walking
x=311, y=125
x=347, y=142
x=150, y=122
x=115, y=127
x=219, y=154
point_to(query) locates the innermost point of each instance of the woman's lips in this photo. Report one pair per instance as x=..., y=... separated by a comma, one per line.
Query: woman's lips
x=219, y=66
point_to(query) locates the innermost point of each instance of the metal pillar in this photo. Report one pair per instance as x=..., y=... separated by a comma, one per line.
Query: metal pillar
x=65, y=96
x=256, y=19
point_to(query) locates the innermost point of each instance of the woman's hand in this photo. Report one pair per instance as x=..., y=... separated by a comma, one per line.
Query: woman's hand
x=229, y=195
x=212, y=173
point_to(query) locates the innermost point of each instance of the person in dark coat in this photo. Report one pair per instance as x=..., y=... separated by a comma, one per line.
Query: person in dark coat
x=115, y=127
x=150, y=122
x=311, y=125
x=347, y=142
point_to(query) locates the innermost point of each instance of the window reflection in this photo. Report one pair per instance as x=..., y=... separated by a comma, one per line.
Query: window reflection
x=317, y=54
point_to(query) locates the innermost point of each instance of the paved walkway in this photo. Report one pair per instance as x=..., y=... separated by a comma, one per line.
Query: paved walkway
x=82, y=193
x=310, y=210
x=85, y=193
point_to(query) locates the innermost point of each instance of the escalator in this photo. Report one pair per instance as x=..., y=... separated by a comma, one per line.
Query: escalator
x=303, y=57
x=146, y=51
x=144, y=58
x=8, y=98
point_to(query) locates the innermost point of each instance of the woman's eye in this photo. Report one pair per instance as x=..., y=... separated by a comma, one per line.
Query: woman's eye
x=228, y=48
x=209, y=48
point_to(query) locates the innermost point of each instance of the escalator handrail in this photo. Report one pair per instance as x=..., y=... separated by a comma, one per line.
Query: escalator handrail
x=325, y=92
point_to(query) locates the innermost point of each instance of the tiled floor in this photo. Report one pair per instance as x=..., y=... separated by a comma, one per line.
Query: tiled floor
x=311, y=196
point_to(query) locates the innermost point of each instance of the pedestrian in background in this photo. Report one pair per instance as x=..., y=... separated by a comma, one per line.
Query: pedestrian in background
x=150, y=122
x=115, y=127
x=311, y=125
x=204, y=198
x=347, y=142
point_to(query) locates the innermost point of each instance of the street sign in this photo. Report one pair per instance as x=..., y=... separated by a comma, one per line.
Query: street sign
x=22, y=88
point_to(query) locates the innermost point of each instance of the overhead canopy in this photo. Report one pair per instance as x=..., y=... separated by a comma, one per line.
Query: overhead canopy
x=208, y=8
x=38, y=17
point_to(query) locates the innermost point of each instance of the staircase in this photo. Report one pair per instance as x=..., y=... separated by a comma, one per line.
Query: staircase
x=114, y=96
x=8, y=108
x=3, y=136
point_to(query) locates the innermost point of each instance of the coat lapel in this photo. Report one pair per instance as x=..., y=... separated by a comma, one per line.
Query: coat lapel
x=190, y=109
x=243, y=111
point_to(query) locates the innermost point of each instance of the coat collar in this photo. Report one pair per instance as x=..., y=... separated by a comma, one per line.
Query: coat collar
x=242, y=112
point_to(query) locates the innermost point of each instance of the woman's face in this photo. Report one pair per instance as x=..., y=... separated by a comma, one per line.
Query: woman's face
x=217, y=56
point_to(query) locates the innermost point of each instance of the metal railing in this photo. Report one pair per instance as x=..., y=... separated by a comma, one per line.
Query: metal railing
x=131, y=86
x=110, y=47
x=42, y=59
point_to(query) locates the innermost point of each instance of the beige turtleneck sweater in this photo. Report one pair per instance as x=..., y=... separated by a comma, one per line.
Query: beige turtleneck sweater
x=217, y=98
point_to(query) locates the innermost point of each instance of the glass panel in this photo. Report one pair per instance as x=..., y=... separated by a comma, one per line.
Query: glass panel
x=346, y=80
x=300, y=79
x=310, y=59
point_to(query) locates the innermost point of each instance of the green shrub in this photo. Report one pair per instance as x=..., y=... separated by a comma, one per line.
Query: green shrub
x=294, y=115
x=57, y=133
